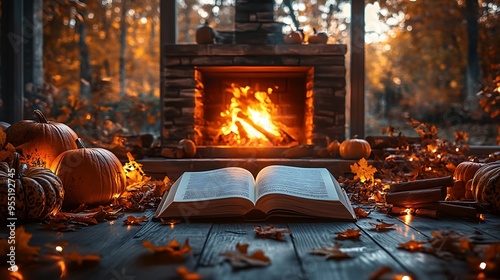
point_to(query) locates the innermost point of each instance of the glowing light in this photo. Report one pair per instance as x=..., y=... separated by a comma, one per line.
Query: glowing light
x=59, y=249
x=457, y=149
x=406, y=277
x=172, y=225
x=144, y=20
x=88, y=117
x=62, y=266
x=249, y=117
x=482, y=265
x=112, y=222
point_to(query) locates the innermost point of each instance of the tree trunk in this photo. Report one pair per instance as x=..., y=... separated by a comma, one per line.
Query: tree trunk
x=123, y=42
x=473, y=81
x=85, y=74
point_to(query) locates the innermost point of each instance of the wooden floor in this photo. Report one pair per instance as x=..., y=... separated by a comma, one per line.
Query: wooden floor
x=124, y=257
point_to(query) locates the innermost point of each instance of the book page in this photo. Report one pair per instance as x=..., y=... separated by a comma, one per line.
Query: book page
x=313, y=183
x=216, y=184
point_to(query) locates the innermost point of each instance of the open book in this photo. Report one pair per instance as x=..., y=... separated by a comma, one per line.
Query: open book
x=276, y=191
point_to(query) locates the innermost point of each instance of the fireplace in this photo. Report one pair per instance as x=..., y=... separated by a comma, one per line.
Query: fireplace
x=306, y=84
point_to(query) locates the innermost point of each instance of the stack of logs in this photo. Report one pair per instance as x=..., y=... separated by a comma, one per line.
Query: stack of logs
x=427, y=197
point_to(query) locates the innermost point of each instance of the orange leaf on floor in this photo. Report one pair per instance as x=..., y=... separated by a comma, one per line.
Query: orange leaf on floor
x=271, y=232
x=173, y=248
x=360, y=213
x=382, y=226
x=332, y=252
x=240, y=258
x=186, y=275
x=412, y=246
x=349, y=234
x=131, y=220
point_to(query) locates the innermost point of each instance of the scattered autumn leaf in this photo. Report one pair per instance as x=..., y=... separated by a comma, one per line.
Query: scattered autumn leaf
x=332, y=252
x=173, y=248
x=241, y=259
x=77, y=258
x=382, y=226
x=360, y=213
x=184, y=273
x=24, y=252
x=379, y=272
x=363, y=171
x=131, y=220
x=412, y=246
x=271, y=232
x=349, y=234
x=170, y=222
x=447, y=244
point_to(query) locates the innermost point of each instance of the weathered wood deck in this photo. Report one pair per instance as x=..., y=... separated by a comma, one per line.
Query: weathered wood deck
x=124, y=257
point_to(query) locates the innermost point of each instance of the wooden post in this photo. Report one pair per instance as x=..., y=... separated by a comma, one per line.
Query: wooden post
x=357, y=70
x=13, y=37
x=33, y=46
x=168, y=35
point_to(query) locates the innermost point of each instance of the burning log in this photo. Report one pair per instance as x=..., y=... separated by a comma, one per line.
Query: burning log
x=415, y=197
x=422, y=184
x=271, y=137
x=241, y=130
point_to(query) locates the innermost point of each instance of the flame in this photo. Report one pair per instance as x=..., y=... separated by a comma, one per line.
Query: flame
x=249, y=117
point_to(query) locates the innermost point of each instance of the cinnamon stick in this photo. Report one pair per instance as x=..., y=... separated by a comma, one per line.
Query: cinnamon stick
x=422, y=184
x=427, y=213
x=415, y=197
x=460, y=211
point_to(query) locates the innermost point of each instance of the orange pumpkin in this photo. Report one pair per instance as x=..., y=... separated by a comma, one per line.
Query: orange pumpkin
x=334, y=148
x=40, y=141
x=466, y=170
x=38, y=192
x=355, y=149
x=293, y=37
x=205, y=34
x=318, y=37
x=486, y=184
x=90, y=175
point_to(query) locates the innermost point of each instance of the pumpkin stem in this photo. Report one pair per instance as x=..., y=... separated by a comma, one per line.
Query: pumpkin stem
x=79, y=143
x=16, y=164
x=40, y=116
x=314, y=30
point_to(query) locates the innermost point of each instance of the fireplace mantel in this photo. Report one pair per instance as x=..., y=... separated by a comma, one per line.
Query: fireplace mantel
x=182, y=89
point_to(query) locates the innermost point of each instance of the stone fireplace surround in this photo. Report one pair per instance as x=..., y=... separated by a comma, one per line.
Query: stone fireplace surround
x=326, y=84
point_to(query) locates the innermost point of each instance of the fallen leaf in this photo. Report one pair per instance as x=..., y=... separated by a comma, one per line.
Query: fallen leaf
x=382, y=226
x=77, y=258
x=170, y=222
x=186, y=275
x=379, y=272
x=360, y=213
x=271, y=232
x=332, y=252
x=241, y=259
x=363, y=171
x=131, y=220
x=412, y=246
x=173, y=248
x=24, y=253
x=349, y=234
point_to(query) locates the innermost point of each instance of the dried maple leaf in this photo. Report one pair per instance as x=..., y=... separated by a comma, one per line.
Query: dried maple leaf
x=360, y=213
x=75, y=257
x=184, y=273
x=363, y=171
x=332, y=252
x=241, y=259
x=271, y=232
x=131, y=220
x=173, y=248
x=447, y=244
x=24, y=253
x=382, y=226
x=349, y=234
x=413, y=246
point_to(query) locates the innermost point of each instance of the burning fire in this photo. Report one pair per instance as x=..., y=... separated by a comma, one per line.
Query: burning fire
x=249, y=118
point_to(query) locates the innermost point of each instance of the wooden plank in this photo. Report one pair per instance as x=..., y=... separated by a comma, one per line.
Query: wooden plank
x=224, y=237
x=420, y=265
x=367, y=255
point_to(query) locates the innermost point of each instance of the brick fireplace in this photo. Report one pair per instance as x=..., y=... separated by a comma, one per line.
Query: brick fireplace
x=309, y=82
x=304, y=84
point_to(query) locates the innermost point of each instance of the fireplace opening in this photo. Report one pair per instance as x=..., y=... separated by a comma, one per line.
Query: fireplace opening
x=253, y=106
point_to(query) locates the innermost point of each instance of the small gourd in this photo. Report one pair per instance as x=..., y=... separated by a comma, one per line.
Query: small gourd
x=29, y=193
x=205, y=34
x=318, y=37
x=293, y=37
